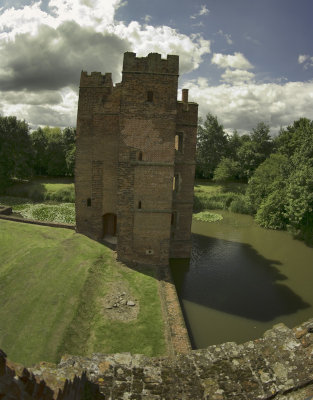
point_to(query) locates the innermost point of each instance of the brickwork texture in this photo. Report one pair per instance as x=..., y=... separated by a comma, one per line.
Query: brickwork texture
x=135, y=160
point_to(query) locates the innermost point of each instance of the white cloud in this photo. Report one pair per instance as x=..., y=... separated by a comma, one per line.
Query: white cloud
x=164, y=40
x=302, y=58
x=242, y=107
x=237, y=76
x=45, y=52
x=306, y=60
x=93, y=13
x=55, y=108
x=203, y=11
x=226, y=36
x=238, y=61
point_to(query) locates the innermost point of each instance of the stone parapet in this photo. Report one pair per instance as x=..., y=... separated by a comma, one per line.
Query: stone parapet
x=277, y=366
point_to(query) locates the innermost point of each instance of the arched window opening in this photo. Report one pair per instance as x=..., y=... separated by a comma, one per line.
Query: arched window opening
x=88, y=202
x=179, y=142
x=139, y=205
x=140, y=156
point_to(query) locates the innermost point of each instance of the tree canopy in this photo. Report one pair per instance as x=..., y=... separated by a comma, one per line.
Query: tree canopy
x=15, y=150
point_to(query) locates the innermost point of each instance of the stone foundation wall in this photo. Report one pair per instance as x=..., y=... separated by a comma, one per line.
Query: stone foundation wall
x=278, y=366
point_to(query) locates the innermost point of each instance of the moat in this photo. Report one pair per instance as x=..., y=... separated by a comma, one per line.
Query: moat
x=242, y=279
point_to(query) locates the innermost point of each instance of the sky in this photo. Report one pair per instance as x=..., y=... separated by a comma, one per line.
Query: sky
x=245, y=61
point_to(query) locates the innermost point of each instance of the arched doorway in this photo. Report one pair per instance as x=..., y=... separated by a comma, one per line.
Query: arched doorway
x=109, y=225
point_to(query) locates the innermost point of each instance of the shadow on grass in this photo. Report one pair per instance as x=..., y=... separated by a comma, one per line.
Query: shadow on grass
x=234, y=278
x=32, y=190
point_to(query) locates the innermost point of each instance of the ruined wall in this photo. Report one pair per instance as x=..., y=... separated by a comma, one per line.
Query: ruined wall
x=278, y=366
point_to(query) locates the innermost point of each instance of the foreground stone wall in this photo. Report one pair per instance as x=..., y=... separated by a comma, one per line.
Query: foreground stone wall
x=278, y=366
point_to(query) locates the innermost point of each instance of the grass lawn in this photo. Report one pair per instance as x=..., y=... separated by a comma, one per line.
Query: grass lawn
x=52, y=285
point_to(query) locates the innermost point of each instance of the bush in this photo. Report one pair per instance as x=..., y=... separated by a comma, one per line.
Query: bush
x=241, y=205
x=218, y=201
x=271, y=213
x=65, y=195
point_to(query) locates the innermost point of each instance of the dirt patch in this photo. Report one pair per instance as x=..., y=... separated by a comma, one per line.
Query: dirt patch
x=119, y=304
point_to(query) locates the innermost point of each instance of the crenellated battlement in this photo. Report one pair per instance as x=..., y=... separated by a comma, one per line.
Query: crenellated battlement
x=153, y=63
x=96, y=79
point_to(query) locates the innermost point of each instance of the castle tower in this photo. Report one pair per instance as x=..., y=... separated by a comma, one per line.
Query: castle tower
x=135, y=160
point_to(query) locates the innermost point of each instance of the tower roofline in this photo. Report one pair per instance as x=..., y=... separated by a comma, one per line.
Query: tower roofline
x=153, y=63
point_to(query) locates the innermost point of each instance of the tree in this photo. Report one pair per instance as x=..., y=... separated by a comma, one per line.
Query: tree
x=54, y=151
x=227, y=170
x=270, y=176
x=234, y=143
x=40, y=144
x=299, y=201
x=15, y=150
x=211, y=146
x=281, y=189
x=255, y=150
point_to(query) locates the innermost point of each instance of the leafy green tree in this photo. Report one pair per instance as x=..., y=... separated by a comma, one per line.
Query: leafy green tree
x=255, y=149
x=293, y=137
x=281, y=188
x=299, y=198
x=40, y=144
x=15, y=150
x=271, y=213
x=211, y=146
x=54, y=151
x=234, y=143
x=227, y=170
x=270, y=176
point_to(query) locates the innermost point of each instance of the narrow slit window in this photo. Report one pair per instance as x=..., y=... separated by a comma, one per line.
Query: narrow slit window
x=174, y=218
x=140, y=156
x=175, y=182
x=88, y=202
x=179, y=142
x=139, y=205
x=150, y=96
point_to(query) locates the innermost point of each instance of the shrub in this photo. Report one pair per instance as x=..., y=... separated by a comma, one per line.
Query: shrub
x=241, y=205
x=271, y=213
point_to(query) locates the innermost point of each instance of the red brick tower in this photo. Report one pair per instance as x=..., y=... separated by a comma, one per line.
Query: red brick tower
x=135, y=160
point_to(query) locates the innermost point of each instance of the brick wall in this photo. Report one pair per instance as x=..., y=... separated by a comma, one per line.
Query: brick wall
x=126, y=159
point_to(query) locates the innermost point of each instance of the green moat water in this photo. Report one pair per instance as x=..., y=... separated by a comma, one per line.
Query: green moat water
x=242, y=279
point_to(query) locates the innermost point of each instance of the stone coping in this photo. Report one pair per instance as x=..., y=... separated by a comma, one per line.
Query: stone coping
x=277, y=366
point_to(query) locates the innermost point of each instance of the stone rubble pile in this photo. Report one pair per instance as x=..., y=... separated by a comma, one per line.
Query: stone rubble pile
x=119, y=300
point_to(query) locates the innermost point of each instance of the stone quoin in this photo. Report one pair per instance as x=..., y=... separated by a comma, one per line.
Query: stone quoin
x=135, y=160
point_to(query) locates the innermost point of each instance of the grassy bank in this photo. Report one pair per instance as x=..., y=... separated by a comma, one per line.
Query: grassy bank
x=215, y=196
x=53, y=283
